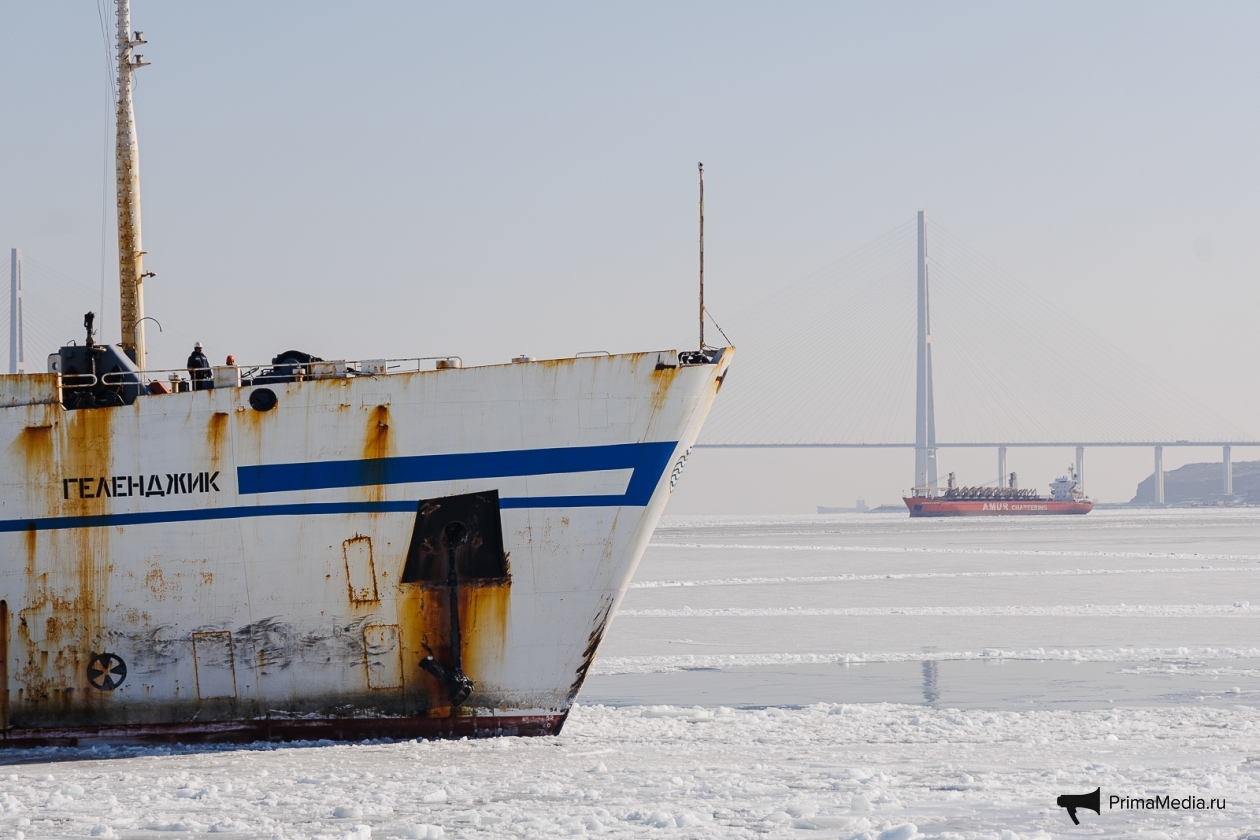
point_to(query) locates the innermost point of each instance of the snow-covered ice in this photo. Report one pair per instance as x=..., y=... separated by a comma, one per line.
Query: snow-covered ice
x=1115, y=599
x=823, y=771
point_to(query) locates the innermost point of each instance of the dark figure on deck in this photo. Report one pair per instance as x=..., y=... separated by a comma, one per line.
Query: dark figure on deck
x=199, y=369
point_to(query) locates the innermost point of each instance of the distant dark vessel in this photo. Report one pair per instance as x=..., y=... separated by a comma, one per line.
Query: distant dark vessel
x=859, y=508
x=1066, y=497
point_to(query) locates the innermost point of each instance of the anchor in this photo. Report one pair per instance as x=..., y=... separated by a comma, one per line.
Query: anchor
x=458, y=685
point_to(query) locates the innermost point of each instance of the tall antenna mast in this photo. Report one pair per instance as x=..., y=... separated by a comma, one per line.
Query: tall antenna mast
x=17, y=351
x=701, y=257
x=131, y=271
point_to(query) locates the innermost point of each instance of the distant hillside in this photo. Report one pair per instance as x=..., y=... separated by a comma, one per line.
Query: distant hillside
x=1202, y=483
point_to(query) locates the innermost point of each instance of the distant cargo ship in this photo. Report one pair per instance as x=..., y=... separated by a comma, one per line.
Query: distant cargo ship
x=1066, y=497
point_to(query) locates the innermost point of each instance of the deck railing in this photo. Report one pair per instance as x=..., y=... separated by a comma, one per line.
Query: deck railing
x=167, y=380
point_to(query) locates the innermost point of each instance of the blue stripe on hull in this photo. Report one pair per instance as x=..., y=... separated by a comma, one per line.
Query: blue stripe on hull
x=648, y=460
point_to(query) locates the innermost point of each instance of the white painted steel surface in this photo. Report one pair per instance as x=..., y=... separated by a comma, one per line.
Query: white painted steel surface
x=256, y=574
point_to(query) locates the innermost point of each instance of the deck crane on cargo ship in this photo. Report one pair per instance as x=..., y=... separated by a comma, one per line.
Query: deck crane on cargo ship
x=1066, y=497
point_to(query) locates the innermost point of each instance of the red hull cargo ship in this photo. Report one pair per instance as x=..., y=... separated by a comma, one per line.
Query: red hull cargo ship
x=1066, y=497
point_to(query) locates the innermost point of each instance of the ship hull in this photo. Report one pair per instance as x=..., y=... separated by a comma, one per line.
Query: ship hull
x=192, y=568
x=244, y=731
x=995, y=507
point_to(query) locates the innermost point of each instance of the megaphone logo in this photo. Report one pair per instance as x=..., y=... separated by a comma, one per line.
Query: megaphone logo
x=1081, y=800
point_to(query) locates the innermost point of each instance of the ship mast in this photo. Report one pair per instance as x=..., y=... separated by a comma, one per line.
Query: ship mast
x=701, y=257
x=131, y=271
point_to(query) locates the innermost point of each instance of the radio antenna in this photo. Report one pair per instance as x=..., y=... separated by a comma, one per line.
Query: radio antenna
x=701, y=257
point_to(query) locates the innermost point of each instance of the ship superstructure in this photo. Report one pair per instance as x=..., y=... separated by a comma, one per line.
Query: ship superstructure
x=312, y=548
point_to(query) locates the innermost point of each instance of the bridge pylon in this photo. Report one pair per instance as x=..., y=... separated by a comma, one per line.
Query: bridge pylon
x=925, y=414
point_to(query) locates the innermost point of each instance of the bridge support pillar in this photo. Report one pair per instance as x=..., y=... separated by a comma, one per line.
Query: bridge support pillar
x=1159, y=475
x=1227, y=459
x=1080, y=467
x=1001, y=466
x=925, y=410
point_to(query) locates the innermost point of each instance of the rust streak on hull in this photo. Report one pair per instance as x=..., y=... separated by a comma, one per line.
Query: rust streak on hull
x=483, y=612
x=424, y=624
x=59, y=626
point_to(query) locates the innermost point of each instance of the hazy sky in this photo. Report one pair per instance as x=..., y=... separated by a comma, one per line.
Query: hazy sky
x=399, y=179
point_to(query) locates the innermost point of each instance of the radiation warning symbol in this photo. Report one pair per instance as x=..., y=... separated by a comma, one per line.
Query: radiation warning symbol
x=106, y=671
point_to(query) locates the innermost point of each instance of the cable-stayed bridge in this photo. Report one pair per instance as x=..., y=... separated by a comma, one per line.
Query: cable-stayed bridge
x=917, y=332
x=925, y=345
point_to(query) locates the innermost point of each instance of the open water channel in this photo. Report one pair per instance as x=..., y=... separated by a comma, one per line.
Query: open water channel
x=1131, y=608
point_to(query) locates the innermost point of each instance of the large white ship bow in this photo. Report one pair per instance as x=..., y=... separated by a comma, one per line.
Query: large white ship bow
x=204, y=564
